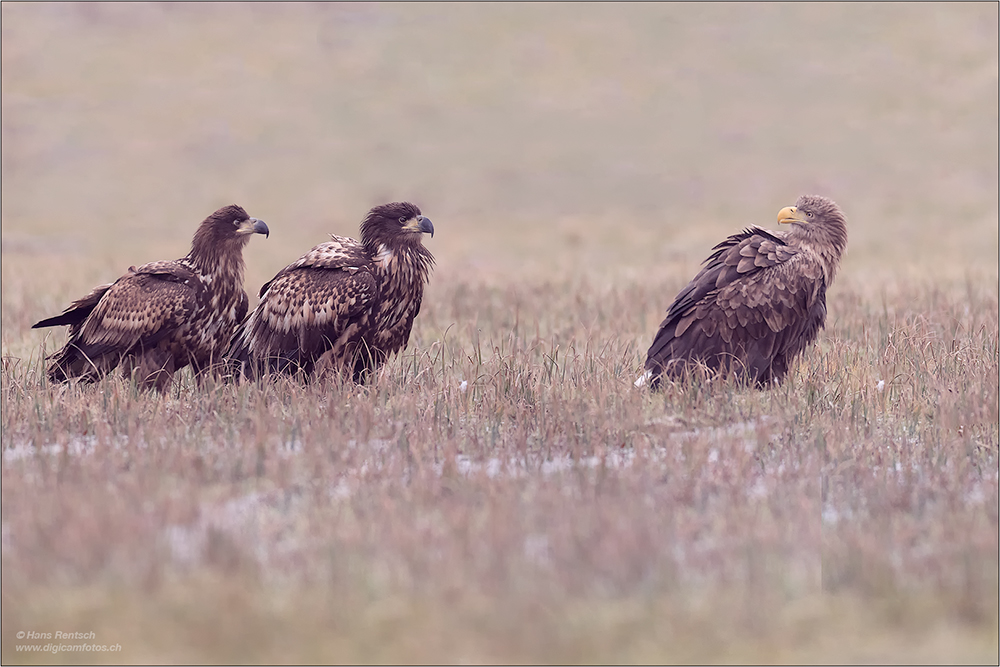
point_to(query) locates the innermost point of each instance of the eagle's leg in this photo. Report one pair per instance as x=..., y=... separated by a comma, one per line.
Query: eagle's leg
x=156, y=369
x=217, y=369
x=129, y=367
x=367, y=361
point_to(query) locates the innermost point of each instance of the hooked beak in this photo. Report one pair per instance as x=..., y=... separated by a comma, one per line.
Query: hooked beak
x=420, y=224
x=254, y=226
x=790, y=214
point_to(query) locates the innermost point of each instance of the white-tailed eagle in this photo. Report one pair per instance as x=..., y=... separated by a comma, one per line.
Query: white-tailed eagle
x=162, y=316
x=345, y=305
x=758, y=301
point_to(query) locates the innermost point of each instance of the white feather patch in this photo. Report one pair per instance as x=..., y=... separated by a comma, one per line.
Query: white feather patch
x=384, y=256
x=643, y=379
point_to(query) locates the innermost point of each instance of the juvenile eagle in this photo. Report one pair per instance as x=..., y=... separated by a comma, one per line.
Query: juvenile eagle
x=758, y=301
x=345, y=304
x=162, y=316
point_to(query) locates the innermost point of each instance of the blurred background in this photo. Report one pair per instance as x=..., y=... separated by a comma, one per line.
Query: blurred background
x=606, y=140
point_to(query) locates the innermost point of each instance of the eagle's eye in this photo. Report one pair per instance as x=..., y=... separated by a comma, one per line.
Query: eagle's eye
x=809, y=214
x=402, y=219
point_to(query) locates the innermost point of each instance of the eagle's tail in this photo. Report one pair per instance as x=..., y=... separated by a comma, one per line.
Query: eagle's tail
x=77, y=312
x=70, y=316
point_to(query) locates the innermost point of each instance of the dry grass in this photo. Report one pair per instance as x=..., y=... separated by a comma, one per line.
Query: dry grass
x=548, y=512
x=501, y=493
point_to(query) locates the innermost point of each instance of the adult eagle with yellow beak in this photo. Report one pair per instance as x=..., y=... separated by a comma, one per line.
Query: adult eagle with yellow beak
x=758, y=301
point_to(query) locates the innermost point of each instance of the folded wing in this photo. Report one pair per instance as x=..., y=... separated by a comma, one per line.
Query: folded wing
x=320, y=305
x=754, y=304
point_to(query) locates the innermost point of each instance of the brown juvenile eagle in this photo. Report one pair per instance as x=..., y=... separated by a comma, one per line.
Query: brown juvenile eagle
x=758, y=301
x=162, y=316
x=345, y=304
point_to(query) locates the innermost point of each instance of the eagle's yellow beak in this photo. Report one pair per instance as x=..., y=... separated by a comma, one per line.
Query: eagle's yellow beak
x=790, y=214
x=253, y=226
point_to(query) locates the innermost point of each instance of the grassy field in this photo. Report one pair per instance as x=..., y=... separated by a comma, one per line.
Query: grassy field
x=501, y=492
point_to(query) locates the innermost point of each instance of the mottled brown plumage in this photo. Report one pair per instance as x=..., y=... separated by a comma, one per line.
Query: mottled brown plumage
x=162, y=316
x=345, y=305
x=758, y=301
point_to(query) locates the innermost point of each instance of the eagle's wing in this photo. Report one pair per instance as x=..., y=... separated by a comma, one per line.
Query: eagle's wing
x=139, y=309
x=752, y=300
x=340, y=252
x=319, y=303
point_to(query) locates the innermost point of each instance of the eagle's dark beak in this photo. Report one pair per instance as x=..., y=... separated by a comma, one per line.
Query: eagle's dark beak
x=253, y=226
x=426, y=226
x=420, y=224
x=260, y=228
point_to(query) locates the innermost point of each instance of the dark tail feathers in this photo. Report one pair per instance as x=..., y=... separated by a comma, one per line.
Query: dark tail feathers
x=78, y=311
